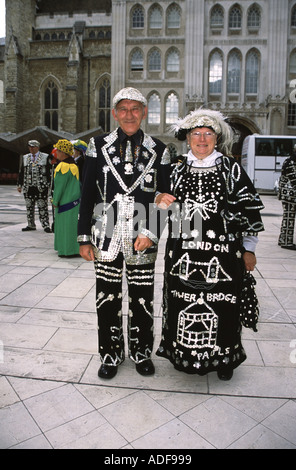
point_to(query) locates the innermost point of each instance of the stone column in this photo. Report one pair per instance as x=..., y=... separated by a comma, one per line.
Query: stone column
x=19, y=23
x=118, y=64
x=194, y=47
x=277, y=46
x=278, y=32
x=73, y=87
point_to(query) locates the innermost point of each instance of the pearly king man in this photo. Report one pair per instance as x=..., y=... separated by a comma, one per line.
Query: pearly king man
x=125, y=173
x=34, y=179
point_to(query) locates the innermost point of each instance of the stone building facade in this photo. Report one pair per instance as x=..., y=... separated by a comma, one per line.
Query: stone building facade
x=63, y=61
x=235, y=56
x=54, y=63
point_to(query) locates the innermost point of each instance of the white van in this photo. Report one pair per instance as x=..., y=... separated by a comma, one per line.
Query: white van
x=263, y=157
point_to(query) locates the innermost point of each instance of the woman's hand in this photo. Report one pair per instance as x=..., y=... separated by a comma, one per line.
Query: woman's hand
x=249, y=260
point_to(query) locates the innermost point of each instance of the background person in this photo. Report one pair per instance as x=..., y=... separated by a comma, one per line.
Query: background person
x=287, y=194
x=54, y=163
x=80, y=148
x=66, y=200
x=34, y=179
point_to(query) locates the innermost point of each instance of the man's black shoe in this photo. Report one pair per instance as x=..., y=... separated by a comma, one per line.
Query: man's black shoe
x=288, y=247
x=145, y=367
x=107, y=372
x=28, y=229
x=47, y=230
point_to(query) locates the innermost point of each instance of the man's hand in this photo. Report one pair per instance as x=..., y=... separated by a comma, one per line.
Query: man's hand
x=142, y=243
x=19, y=189
x=164, y=200
x=249, y=260
x=87, y=252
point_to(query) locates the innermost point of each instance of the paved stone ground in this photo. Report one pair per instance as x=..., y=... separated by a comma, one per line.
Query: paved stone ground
x=51, y=396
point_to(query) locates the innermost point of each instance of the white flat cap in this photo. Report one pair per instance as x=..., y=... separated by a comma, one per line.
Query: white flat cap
x=129, y=93
x=34, y=143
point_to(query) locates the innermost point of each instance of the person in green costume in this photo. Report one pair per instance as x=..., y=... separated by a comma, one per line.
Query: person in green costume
x=66, y=200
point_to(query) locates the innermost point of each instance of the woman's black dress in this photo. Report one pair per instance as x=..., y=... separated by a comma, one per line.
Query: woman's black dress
x=204, y=266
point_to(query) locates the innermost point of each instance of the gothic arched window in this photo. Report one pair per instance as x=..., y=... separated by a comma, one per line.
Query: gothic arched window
x=172, y=151
x=154, y=61
x=171, y=109
x=173, y=61
x=235, y=18
x=137, y=60
x=155, y=18
x=138, y=17
x=234, y=72
x=254, y=17
x=292, y=114
x=104, y=104
x=154, y=109
x=174, y=17
x=216, y=73
x=292, y=65
x=51, y=106
x=293, y=17
x=217, y=17
x=1, y=92
x=252, y=72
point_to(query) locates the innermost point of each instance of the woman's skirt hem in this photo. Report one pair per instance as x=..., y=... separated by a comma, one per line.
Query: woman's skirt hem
x=201, y=368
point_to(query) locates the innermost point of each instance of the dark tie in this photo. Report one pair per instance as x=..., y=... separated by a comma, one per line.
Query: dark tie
x=128, y=160
x=128, y=152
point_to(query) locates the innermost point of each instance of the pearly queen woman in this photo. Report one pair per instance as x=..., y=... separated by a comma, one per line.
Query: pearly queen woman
x=204, y=263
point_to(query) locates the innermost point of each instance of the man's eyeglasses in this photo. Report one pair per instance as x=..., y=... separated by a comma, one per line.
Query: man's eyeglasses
x=135, y=110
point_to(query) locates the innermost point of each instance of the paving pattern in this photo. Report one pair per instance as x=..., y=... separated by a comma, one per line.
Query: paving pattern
x=52, y=398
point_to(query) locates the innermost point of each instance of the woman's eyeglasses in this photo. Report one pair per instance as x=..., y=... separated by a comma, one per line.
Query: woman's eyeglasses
x=200, y=134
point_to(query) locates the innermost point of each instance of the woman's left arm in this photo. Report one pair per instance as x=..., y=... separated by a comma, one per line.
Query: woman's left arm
x=249, y=246
x=250, y=260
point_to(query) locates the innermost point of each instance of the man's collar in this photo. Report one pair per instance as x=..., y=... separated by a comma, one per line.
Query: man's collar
x=136, y=138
